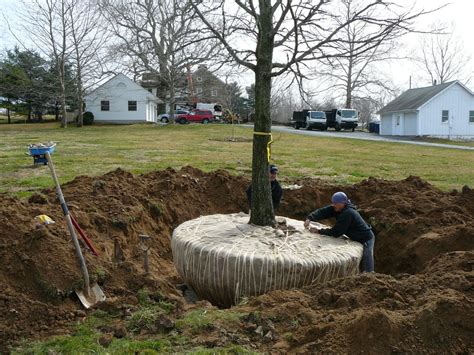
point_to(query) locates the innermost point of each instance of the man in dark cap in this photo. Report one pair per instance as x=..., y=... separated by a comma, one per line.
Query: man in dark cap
x=277, y=191
x=348, y=222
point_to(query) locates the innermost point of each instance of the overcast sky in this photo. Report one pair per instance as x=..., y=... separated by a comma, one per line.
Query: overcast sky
x=458, y=12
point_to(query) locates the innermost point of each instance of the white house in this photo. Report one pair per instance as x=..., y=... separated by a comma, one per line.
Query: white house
x=121, y=100
x=444, y=111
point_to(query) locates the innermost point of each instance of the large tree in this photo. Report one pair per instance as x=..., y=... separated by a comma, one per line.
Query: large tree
x=47, y=23
x=161, y=37
x=26, y=82
x=276, y=37
x=354, y=74
x=87, y=39
x=442, y=57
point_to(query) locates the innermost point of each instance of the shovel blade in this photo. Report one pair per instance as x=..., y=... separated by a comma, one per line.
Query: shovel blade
x=94, y=296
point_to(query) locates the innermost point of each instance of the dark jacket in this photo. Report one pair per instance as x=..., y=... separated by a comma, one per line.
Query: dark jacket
x=348, y=222
x=277, y=193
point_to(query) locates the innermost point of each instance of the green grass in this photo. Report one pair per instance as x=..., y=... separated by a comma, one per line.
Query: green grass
x=447, y=141
x=95, y=150
x=85, y=340
x=200, y=319
x=85, y=337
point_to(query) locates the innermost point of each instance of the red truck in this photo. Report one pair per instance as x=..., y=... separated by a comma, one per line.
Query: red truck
x=201, y=116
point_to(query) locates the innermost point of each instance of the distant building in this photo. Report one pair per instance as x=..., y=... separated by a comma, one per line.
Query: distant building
x=445, y=111
x=208, y=88
x=121, y=100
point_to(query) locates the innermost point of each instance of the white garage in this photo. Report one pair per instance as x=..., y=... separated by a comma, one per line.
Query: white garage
x=444, y=110
x=121, y=100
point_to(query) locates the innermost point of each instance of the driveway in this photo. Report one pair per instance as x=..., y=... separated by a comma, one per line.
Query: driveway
x=365, y=136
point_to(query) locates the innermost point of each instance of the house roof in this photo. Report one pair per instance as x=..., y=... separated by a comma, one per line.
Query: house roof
x=413, y=99
x=124, y=77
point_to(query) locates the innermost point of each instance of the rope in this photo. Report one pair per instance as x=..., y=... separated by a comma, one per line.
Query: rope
x=224, y=259
x=269, y=149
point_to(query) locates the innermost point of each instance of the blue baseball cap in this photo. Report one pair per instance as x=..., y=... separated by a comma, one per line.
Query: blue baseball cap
x=340, y=197
x=273, y=169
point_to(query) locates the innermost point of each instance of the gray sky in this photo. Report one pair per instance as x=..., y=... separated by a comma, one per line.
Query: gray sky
x=458, y=12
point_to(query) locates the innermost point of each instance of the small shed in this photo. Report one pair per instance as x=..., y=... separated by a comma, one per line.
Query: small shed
x=445, y=111
x=121, y=100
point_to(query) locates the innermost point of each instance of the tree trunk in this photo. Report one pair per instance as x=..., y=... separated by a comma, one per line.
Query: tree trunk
x=28, y=119
x=172, y=103
x=262, y=209
x=62, y=72
x=349, y=85
x=79, y=98
x=8, y=113
x=56, y=111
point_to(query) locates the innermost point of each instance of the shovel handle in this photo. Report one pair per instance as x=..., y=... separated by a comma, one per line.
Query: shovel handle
x=70, y=226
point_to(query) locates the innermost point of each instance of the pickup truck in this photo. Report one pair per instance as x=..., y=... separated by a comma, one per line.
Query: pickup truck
x=201, y=116
x=309, y=119
x=342, y=118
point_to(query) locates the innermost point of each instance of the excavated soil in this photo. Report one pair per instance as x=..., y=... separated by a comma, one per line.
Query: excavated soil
x=420, y=299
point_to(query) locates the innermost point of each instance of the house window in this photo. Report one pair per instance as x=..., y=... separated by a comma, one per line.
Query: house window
x=445, y=116
x=105, y=105
x=398, y=120
x=132, y=105
x=471, y=116
x=213, y=92
x=199, y=90
x=199, y=78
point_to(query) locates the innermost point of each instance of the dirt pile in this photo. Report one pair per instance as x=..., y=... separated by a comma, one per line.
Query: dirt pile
x=376, y=313
x=417, y=228
x=38, y=267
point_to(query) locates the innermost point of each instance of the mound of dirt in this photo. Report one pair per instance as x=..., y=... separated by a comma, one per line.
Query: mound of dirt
x=421, y=231
x=376, y=314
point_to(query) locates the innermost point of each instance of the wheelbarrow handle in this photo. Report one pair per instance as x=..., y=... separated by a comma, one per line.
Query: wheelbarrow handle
x=70, y=226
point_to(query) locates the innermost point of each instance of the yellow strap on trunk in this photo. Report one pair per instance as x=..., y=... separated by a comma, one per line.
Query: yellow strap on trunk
x=269, y=150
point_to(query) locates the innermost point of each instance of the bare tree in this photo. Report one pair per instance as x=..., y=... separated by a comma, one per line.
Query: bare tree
x=48, y=24
x=274, y=38
x=443, y=58
x=354, y=73
x=163, y=38
x=87, y=39
x=67, y=31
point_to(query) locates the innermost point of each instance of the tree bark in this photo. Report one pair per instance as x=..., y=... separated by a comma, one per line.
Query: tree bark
x=262, y=213
x=79, y=97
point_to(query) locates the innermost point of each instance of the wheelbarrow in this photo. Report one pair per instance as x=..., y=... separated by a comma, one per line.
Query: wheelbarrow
x=89, y=295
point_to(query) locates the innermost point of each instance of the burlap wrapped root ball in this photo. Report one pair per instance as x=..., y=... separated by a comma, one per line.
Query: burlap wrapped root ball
x=223, y=258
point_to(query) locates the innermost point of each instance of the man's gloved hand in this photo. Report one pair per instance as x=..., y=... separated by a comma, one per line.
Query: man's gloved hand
x=306, y=223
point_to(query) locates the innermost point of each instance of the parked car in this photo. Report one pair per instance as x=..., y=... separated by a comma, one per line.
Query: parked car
x=202, y=116
x=165, y=117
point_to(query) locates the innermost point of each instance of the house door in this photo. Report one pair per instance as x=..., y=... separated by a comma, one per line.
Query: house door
x=397, y=121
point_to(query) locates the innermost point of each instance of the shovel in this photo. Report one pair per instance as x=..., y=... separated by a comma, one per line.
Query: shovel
x=89, y=296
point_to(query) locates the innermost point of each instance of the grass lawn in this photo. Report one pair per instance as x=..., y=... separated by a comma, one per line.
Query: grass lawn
x=98, y=149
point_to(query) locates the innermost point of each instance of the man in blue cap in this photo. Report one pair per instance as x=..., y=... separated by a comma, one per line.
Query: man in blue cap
x=348, y=222
x=277, y=191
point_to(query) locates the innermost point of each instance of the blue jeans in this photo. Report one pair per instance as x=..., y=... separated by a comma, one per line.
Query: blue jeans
x=367, y=263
